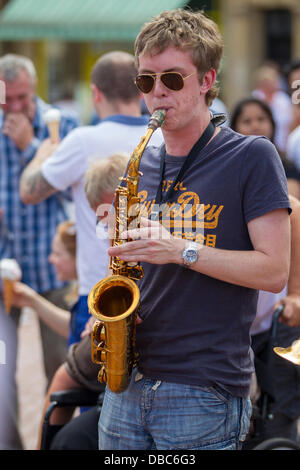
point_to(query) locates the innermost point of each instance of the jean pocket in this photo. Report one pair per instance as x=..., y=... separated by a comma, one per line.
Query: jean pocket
x=220, y=393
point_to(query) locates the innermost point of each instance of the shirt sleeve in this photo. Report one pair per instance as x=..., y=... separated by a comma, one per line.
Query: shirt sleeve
x=68, y=164
x=263, y=184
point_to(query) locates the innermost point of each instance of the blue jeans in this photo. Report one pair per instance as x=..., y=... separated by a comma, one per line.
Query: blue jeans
x=162, y=415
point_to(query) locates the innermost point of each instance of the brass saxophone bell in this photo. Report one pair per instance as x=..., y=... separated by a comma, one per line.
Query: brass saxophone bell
x=292, y=353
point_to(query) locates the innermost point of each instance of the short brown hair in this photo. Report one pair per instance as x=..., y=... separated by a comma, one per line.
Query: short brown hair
x=103, y=176
x=185, y=30
x=114, y=75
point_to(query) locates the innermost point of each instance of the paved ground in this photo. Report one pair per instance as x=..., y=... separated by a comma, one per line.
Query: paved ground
x=31, y=379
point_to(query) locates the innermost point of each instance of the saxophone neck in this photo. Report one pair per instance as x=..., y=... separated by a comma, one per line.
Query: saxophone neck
x=156, y=121
x=135, y=158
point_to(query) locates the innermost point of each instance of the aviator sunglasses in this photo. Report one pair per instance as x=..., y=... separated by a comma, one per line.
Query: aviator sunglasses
x=172, y=80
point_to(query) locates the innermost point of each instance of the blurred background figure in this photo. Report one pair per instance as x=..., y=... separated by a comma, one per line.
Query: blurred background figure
x=292, y=73
x=9, y=433
x=293, y=141
x=252, y=116
x=280, y=380
x=63, y=258
x=26, y=231
x=117, y=102
x=101, y=179
x=267, y=87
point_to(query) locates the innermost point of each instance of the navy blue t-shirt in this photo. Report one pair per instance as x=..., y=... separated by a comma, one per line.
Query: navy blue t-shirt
x=195, y=328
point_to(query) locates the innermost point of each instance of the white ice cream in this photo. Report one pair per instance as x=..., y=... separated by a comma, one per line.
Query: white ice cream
x=9, y=269
x=52, y=115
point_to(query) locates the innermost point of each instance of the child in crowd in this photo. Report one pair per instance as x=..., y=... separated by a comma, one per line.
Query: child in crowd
x=101, y=180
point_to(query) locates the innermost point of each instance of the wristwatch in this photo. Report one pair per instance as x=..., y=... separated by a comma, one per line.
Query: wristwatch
x=190, y=253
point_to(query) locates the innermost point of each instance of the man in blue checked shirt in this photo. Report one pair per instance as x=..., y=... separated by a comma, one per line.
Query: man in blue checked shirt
x=26, y=231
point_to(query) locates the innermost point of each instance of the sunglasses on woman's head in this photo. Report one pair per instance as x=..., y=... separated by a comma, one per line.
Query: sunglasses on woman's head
x=172, y=80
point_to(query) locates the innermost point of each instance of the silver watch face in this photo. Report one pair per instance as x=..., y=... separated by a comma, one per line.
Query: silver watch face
x=190, y=255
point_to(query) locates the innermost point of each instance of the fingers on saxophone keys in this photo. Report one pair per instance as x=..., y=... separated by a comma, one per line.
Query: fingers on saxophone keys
x=121, y=250
x=135, y=234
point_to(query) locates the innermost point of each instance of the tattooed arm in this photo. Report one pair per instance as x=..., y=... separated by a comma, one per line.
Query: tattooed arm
x=34, y=188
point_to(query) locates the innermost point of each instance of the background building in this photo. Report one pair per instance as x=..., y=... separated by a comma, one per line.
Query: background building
x=256, y=32
x=65, y=38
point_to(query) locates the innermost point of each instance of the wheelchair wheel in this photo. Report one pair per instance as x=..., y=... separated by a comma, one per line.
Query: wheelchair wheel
x=277, y=443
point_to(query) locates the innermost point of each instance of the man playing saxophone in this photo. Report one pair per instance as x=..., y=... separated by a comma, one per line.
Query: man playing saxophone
x=221, y=233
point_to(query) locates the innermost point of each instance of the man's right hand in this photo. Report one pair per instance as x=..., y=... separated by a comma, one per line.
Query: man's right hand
x=18, y=127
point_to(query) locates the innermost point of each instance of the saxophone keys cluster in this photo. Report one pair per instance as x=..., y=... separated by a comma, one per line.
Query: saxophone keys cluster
x=98, y=343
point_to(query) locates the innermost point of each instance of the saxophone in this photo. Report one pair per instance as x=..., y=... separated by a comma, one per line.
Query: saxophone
x=115, y=300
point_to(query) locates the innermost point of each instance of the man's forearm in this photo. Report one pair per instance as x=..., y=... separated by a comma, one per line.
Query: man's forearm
x=266, y=267
x=294, y=277
x=252, y=269
x=55, y=317
x=34, y=188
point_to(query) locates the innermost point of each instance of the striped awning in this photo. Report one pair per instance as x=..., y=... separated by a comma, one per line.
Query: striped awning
x=79, y=20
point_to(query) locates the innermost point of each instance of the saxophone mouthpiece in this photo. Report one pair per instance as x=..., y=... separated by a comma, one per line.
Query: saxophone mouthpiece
x=157, y=119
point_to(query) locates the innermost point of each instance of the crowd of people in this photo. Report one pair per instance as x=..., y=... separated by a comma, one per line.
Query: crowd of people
x=208, y=294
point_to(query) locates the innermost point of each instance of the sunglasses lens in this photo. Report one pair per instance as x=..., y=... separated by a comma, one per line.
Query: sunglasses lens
x=172, y=80
x=144, y=83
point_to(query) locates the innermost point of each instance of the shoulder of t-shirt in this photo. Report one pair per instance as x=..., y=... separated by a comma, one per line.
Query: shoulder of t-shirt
x=228, y=133
x=243, y=144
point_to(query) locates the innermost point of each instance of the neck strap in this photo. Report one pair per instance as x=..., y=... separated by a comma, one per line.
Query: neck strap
x=199, y=145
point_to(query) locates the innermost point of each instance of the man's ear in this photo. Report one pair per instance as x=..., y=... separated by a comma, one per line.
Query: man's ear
x=97, y=94
x=208, y=80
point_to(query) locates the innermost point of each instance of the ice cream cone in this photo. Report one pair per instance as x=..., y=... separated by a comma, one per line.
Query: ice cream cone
x=10, y=272
x=8, y=292
x=52, y=119
x=54, y=131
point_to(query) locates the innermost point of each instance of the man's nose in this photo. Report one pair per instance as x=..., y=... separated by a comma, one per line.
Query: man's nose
x=159, y=88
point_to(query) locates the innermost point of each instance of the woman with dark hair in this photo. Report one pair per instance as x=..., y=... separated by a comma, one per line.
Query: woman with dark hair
x=252, y=116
